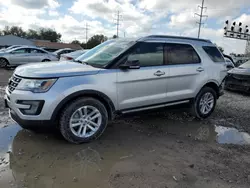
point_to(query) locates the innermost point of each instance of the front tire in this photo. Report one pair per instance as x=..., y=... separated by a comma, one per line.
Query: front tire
x=83, y=120
x=3, y=63
x=204, y=103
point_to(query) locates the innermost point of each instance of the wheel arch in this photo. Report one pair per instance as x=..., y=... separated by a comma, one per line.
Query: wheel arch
x=214, y=85
x=5, y=60
x=107, y=102
x=44, y=60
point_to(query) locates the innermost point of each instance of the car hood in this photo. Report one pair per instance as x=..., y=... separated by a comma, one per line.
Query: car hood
x=55, y=69
x=240, y=71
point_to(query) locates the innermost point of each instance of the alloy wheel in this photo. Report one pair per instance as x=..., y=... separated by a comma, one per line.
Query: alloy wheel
x=206, y=103
x=85, y=121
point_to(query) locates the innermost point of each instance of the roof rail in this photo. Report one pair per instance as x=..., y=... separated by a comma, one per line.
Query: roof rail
x=177, y=37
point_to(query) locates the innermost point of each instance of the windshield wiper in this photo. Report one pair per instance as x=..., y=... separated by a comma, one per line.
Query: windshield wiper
x=77, y=61
x=82, y=62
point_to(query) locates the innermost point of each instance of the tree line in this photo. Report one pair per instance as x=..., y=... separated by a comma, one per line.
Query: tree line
x=40, y=34
x=51, y=35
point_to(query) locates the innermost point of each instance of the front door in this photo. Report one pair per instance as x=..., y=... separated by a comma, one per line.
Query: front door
x=19, y=56
x=147, y=85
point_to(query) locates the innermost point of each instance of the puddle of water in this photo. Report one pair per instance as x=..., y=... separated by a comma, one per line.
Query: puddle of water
x=7, y=134
x=227, y=135
x=44, y=161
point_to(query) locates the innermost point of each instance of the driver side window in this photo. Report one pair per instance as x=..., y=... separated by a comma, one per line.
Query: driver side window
x=148, y=54
x=21, y=51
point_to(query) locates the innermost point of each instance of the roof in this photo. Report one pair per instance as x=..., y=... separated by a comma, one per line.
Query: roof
x=9, y=40
x=173, y=37
x=56, y=45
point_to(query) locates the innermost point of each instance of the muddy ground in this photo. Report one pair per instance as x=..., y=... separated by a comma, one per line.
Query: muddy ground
x=166, y=149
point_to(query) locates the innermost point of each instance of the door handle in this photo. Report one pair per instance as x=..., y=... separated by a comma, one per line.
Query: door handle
x=200, y=69
x=159, y=73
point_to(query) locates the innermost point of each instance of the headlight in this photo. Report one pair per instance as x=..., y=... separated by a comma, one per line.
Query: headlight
x=36, y=86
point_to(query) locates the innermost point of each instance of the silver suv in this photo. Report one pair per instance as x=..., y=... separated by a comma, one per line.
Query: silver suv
x=116, y=77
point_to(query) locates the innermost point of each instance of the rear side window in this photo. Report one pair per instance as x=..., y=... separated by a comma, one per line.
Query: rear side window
x=180, y=54
x=213, y=53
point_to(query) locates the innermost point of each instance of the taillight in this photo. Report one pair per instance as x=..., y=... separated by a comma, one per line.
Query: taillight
x=68, y=58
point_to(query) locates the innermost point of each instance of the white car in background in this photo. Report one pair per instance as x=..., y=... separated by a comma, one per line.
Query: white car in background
x=72, y=56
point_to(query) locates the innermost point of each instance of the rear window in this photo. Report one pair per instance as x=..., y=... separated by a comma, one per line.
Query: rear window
x=213, y=53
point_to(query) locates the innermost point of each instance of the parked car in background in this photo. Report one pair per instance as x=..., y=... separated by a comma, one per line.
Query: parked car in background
x=58, y=53
x=11, y=47
x=23, y=55
x=117, y=77
x=73, y=55
x=239, y=78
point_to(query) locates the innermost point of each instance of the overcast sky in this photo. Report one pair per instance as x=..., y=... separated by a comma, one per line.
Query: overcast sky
x=139, y=17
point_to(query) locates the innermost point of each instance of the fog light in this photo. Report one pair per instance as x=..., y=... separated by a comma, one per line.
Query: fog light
x=35, y=107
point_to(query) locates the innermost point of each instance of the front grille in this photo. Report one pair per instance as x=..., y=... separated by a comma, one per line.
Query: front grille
x=13, y=83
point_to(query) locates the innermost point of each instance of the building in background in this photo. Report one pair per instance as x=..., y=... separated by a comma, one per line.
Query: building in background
x=53, y=46
x=9, y=40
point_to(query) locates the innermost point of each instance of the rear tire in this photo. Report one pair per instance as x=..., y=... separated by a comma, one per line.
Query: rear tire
x=45, y=60
x=3, y=63
x=204, y=103
x=83, y=120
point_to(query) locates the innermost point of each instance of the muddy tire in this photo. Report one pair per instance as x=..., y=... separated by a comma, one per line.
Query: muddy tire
x=204, y=103
x=3, y=63
x=83, y=120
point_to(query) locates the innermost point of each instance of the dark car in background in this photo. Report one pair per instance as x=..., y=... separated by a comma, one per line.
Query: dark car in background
x=58, y=53
x=239, y=78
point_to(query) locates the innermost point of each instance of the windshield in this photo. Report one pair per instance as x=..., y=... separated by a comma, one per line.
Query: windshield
x=102, y=54
x=245, y=65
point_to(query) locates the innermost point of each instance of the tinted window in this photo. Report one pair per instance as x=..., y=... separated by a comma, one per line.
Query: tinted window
x=213, y=53
x=36, y=51
x=148, y=54
x=21, y=51
x=180, y=54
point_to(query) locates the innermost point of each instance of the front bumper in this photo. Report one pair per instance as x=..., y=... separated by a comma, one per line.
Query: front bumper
x=238, y=83
x=25, y=123
x=45, y=111
x=28, y=124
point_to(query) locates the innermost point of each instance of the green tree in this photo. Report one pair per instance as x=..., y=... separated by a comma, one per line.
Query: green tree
x=32, y=34
x=96, y=40
x=114, y=36
x=14, y=30
x=49, y=34
x=76, y=42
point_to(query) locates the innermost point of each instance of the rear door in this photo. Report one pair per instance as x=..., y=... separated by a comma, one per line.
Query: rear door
x=186, y=71
x=37, y=55
x=147, y=85
x=19, y=56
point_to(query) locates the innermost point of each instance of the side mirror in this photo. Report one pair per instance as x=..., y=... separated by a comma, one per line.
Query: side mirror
x=134, y=64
